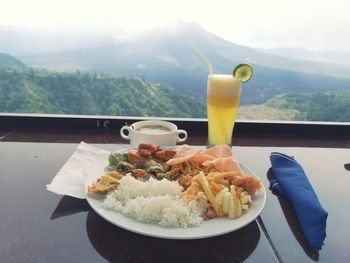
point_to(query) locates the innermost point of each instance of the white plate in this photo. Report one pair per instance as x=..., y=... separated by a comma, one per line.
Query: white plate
x=214, y=227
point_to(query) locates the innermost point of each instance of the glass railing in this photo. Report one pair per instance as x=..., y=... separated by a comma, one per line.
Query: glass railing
x=14, y=121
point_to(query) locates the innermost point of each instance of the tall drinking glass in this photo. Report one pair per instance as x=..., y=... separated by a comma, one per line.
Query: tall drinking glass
x=223, y=96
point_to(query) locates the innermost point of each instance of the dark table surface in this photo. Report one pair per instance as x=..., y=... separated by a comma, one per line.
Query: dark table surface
x=39, y=226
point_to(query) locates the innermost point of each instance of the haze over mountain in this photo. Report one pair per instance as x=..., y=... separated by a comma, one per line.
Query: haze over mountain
x=26, y=41
x=340, y=57
x=164, y=55
x=161, y=43
x=7, y=61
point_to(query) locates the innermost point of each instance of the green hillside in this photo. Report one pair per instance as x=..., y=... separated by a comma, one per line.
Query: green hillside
x=7, y=61
x=41, y=91
x=264, y=112
x=325, y=106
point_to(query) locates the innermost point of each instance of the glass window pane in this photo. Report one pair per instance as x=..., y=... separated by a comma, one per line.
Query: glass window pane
x=135, y=58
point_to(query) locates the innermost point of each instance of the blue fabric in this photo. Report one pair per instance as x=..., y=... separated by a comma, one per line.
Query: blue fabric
x=292, y=183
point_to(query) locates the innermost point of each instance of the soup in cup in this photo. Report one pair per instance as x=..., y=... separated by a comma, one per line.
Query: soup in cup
x=161, y=133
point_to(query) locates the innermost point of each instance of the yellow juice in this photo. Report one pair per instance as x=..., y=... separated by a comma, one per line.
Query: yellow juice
x=223, y=98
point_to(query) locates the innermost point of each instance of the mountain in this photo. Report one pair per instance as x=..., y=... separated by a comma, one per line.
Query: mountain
x=325, y=106
x=7, y=61
x=42, y=91
x=335, y=57
x=169, y=44
x=164, y=56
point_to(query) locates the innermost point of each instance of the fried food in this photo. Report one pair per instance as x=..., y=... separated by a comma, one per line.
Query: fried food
x=191, y=193
x=147, y=149
x=164, y=155
x=248, y=183
x=135, y=157
x=137, y=173
x=125, y=167
x=211, y=197
x=211, y=177
x=104, y=184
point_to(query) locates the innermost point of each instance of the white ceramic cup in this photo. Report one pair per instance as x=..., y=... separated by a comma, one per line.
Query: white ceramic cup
x=168, y=136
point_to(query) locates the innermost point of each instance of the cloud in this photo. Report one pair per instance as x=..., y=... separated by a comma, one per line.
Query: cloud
x=308, y=23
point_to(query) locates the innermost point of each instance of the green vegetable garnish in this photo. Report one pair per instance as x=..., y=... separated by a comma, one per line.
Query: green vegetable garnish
x=243, y=72
x=114, y=159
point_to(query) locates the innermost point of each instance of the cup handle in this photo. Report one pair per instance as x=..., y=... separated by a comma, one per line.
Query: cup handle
x=124, y=136
x=181, y=132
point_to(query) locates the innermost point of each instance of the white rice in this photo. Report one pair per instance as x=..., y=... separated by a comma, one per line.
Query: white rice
x=154, y=201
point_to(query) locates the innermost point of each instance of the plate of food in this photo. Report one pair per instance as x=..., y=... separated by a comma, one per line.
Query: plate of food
x=179, y=193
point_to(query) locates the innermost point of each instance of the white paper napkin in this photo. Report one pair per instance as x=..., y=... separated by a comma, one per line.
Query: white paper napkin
x=70, y=180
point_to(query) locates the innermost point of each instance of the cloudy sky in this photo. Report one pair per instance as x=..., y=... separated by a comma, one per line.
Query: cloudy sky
x=319, y=25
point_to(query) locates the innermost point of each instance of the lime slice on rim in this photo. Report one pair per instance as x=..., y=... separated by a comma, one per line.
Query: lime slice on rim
x=243, y=72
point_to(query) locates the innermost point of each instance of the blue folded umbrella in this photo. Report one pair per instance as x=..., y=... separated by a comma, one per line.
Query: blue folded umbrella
x=291, y=182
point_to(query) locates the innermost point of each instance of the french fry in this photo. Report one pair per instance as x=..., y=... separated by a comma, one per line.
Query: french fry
x=232, y=208
x=233, y=189
x=226, y=203
x=219, y=198
x=223, y=182
x=238, y=211
x=205, y=185
x=220, y=176
x=210, y=176
x=215, y=188
x=237, y=202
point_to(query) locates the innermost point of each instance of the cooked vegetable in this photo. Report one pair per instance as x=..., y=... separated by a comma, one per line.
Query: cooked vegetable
x=153, y=167
x=125, y=167
x=219, y=198
x=161, y=176
x=205, y=185
x=103, y=185
x=226, y=203
x=115, y=174
x=114, y=158
x=232, y=207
